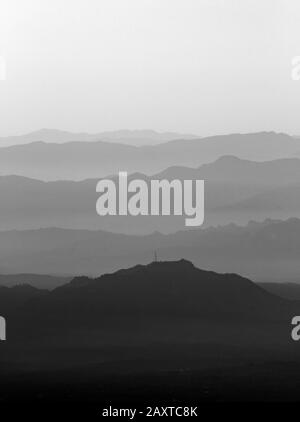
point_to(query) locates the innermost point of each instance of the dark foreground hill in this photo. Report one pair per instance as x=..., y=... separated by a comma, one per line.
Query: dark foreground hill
x=160, y=290
x=167, y=294
x=83, y=160
x=164, y=331
x=14, y=297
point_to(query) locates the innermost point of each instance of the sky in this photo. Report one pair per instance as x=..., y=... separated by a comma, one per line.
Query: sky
x=197, y=66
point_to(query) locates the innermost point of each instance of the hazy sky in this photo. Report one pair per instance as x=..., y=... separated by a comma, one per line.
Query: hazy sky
x=202, y=66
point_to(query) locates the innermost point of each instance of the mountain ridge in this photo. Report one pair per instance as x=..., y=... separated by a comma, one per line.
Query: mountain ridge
x=84, y=160
x=158, y=289
x=129, y=137
x=236, y=190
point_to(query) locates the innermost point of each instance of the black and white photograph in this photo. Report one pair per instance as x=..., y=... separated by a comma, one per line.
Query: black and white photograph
x=149, y=207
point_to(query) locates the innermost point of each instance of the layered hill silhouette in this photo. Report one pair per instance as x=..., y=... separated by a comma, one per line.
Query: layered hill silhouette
x=42, y=281
x=82, y=160
x=236, y=191
x=131, y=137
x=12, y=298
x=267, y=251
x=147, y=328
x=160, y=291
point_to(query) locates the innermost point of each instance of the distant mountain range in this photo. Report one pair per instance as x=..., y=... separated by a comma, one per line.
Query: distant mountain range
x=38, y=280
x=82, y=160
x=267, y=251
x=236, y=191
x=130, y=137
